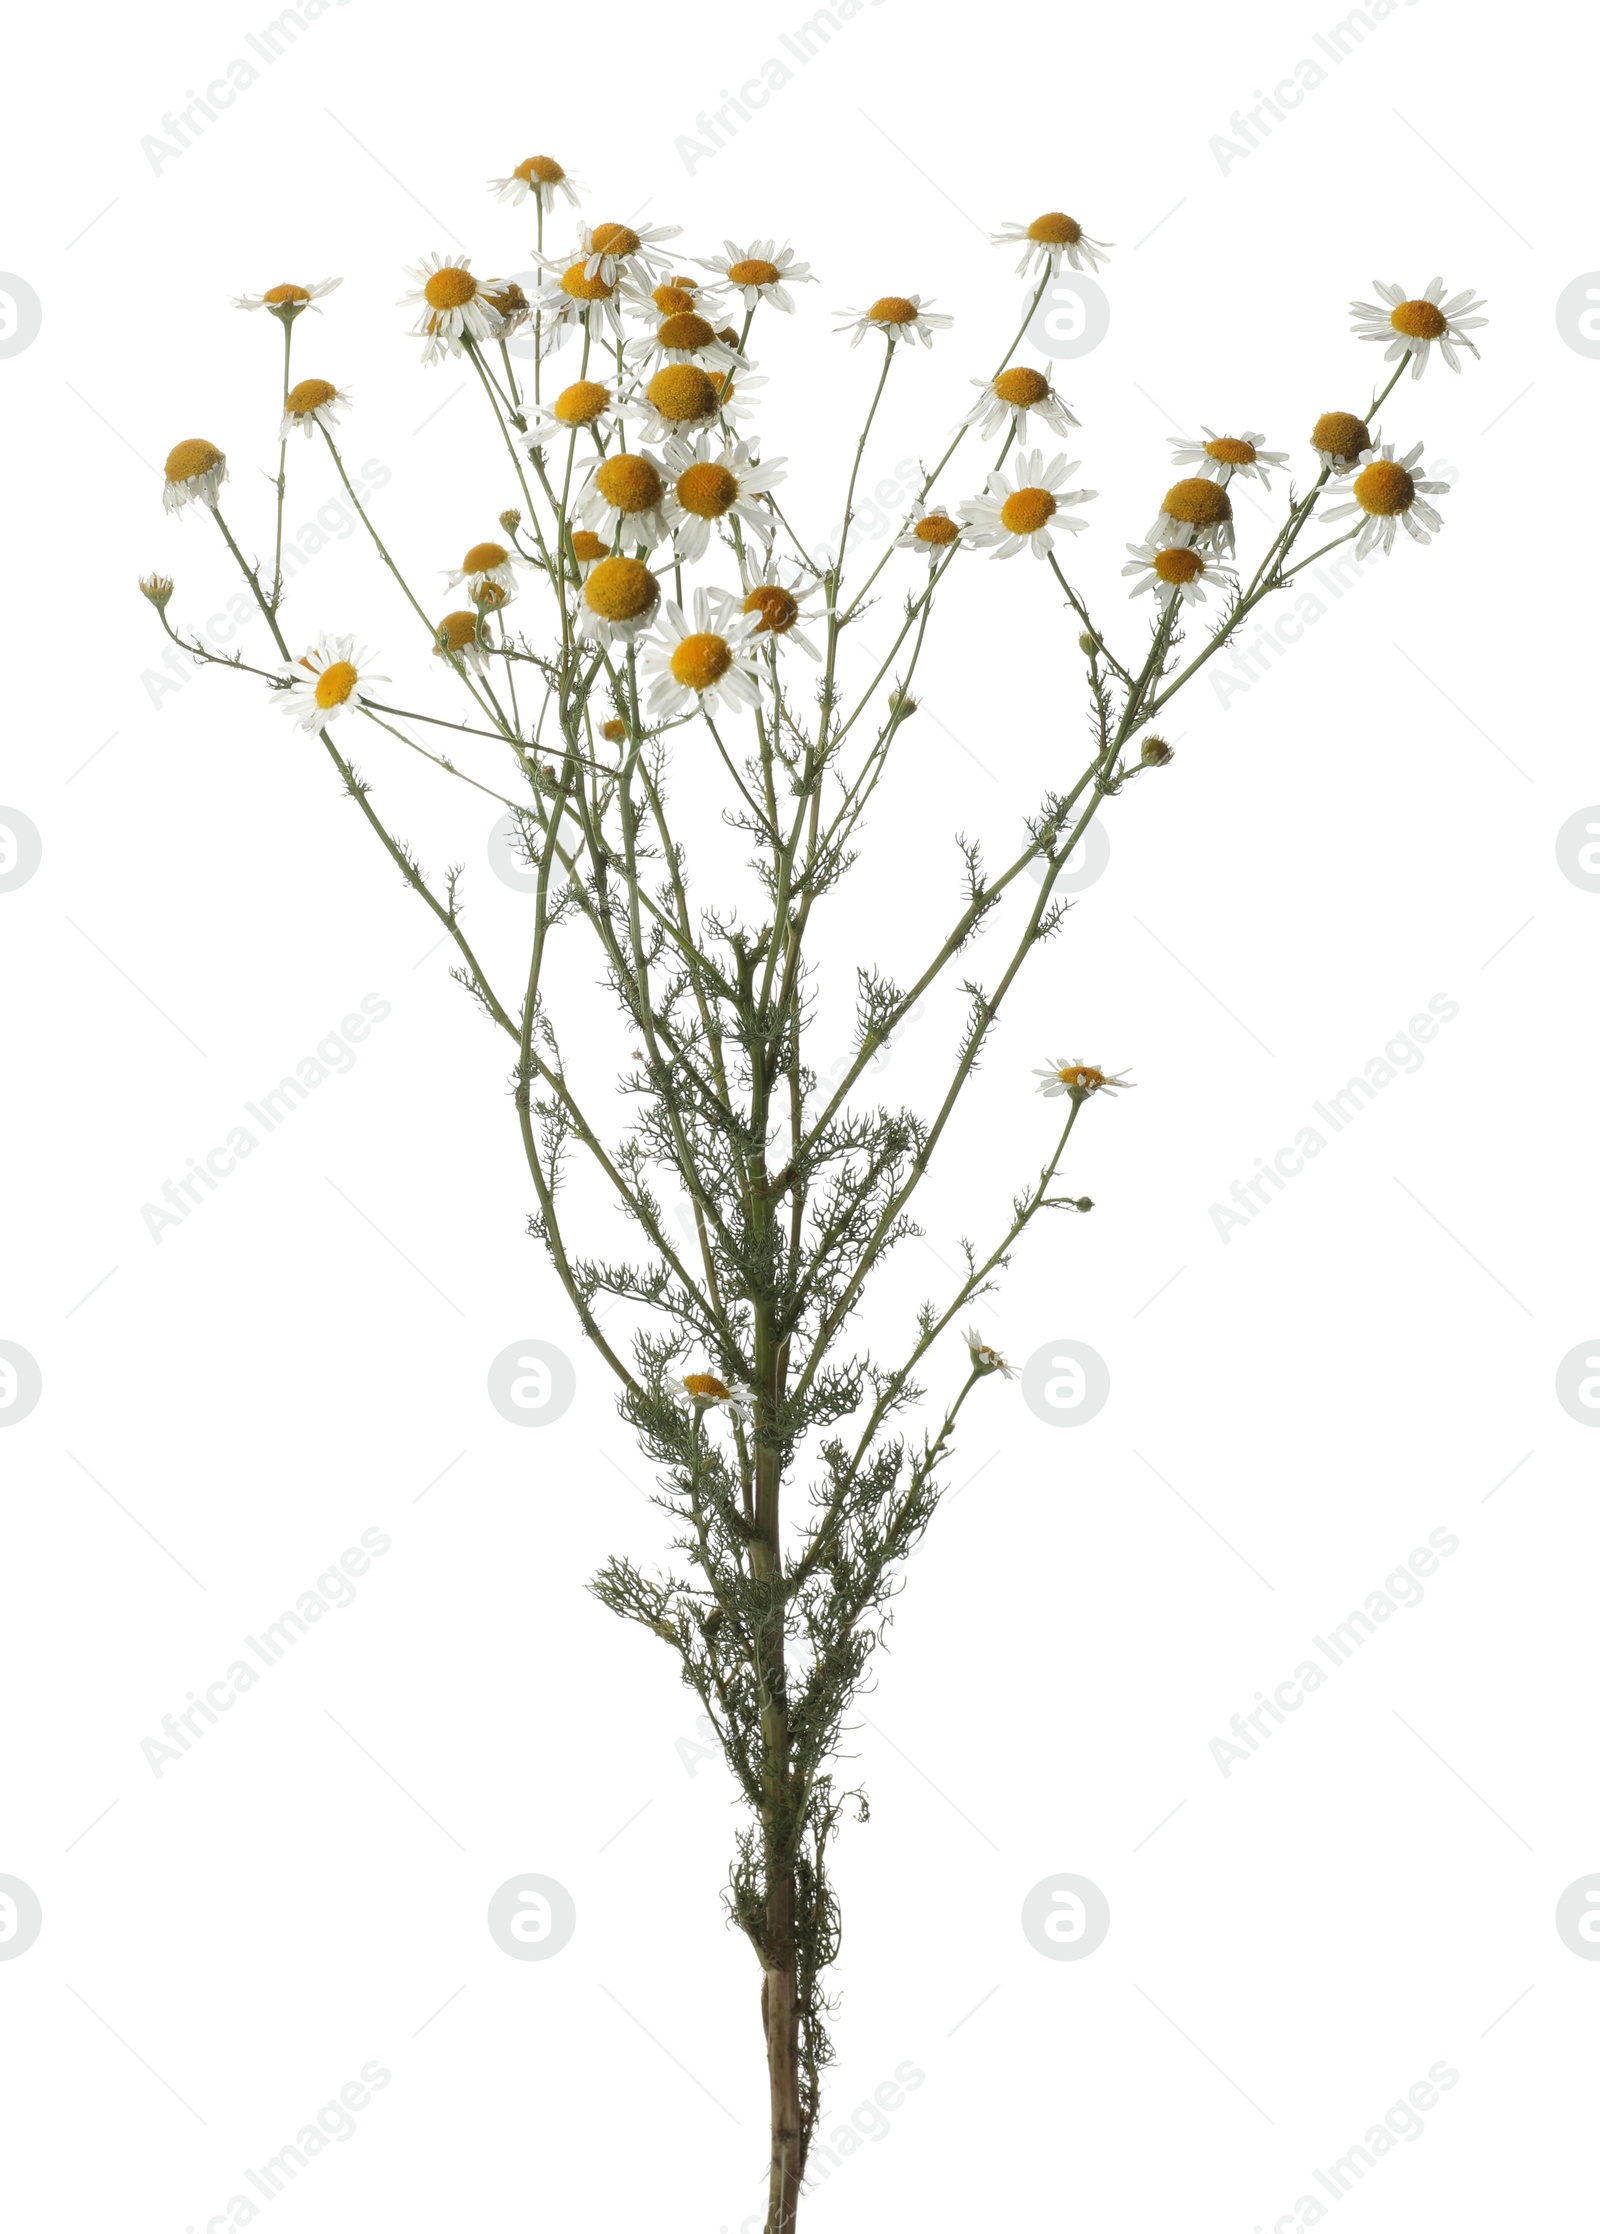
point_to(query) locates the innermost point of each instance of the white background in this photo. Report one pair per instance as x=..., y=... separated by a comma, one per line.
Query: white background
x=1371, y=823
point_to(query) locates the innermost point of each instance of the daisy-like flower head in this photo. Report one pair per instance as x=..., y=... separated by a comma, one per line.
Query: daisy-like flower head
x=932, y=533
x=1172, y=570
x=901, y=317
x=1198, y=512
x=1005, y=401
x=1026, y=513
x=763, y=272
x=622, y=501
x=1339, y=438
x=538, y=175
x=331, y=679
x=577, y=409
x=588, y=550
x=457, y=637
x=572, y=299
x=1387, y=493
x=310, y=404
x=1080, y=1080
x=607, y=251
x=702, y=665
x=620, y=597
x=614, y=731
x=712, y=483
x=778, y=607
x=711, y=1394
x=491, y=563
x=679, y=400
x=455, y=306
x=287, y=300
x=510, y=305
x=684, y=337
x=984, y=1359
x=196, y=469
x=1414, y=323
x=1049, y=240
x=1221, y=456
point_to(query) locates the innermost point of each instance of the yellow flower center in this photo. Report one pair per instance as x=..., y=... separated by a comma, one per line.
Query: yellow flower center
x=778, y=609
x=614, y=240
x=621, y=589
x=685, y=329
x=483, y=558
x=629, y=484
x=1227, y=449
x=287, y=293
x=587, y=545
x=1340, y=434
x=707, y=491
x=544, y=168
x=582, y=402
x=700, y=661
x=706, y=1384
x=613, y=731
x=754, y=271
x=1178, y=565
x=450, y=288
x=1199, y=503
x=1084, y=1076
x=335, y=683
x=584, y=290
x=506, y=299
x=456, y=631
x=683, y=393
x=1055, y=229
x=1419, y=321
x=936, y=528
x=1384, y=489
x=308, y=395
x=893, y=310
x=487, y=596
x=673, y=300
x=1027, y=511
x=190, y=459
x=1021, y=386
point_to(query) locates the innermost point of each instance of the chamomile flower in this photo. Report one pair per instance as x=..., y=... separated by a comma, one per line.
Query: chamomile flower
x=569, y=300
x=1051, y=239
x=1025, y=513
x=510, y=305
x=1415, y=324
x=930, y=534
x=585, y=405
x=588, y=550
x=457, y=637
x=1339, y=438
x=487, y=562
x=1198, y=512
x=607, y=251
x=1221, y=456
x=667, y=298
x=620, y=597
x=715, y=481
x=710, y=1394
x=684, y=337
x=1388, y=494
x=778, y=607
x=984, y=1359
x=703, y=664
x=1004, y=403
x=287, y=300
x=1079, y=1080
x=455, y=306
x=679, y=400
x=622, y=500
x=763, y=272
x=1173, y=570
x=538, y=175
x=311, y=404
x=901, y=317
x=331, y=679
x=196, y=469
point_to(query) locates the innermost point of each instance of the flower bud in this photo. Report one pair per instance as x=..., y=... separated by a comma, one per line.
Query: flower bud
x=158, y=588
x=511, y=520
x=1155, y=752
x=902, y=705
x=1089, y=644
x=614, y=732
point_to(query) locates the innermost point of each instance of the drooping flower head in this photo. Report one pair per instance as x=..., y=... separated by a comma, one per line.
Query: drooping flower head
x=195, y=470
x=901, y=318
x=1005, y=401
x=1051, y=240
x=287, y=299
x=538, y=175
x=1080, y=1080
x=311, y=404
x=763, y=272
x=1221, y=456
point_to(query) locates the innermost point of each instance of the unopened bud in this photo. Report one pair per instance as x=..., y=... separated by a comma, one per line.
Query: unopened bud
x=902, y=705
x=614, y=732
x=1083, y=1203
x=158, y=588
x=511, y=520
x=1088, y=643
x=1155, y=752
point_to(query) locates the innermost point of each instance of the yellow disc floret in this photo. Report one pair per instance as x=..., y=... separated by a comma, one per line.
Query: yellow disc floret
x=543, y=168
x=307, y=396
x=186, y=461
x=707, y=1387
x=1340, y=434
x=1056, y=229
x=754, y=271
x=456, y=631
x=936, y=528
x=584, y=290
x=621, y=589
x=1384, y=489
x=779, y=610
x=629, y=483
x=1419, y=321
x=287, y=293
x=582, y=403
x=700, y=661
x=675, y=297
x=1178, y=565
x=683, y=393
x=1227, y=449
x=706, y=490
x=1027, y=511
x=1082, y=1078
x=335, y=683
x=483, y=558
x=614, y=240
x=893, y=310
x=1021, y=386
x=614, y=732
x=587, y=546
x=1197, y=503
x=685, y=329
x=450, y=288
